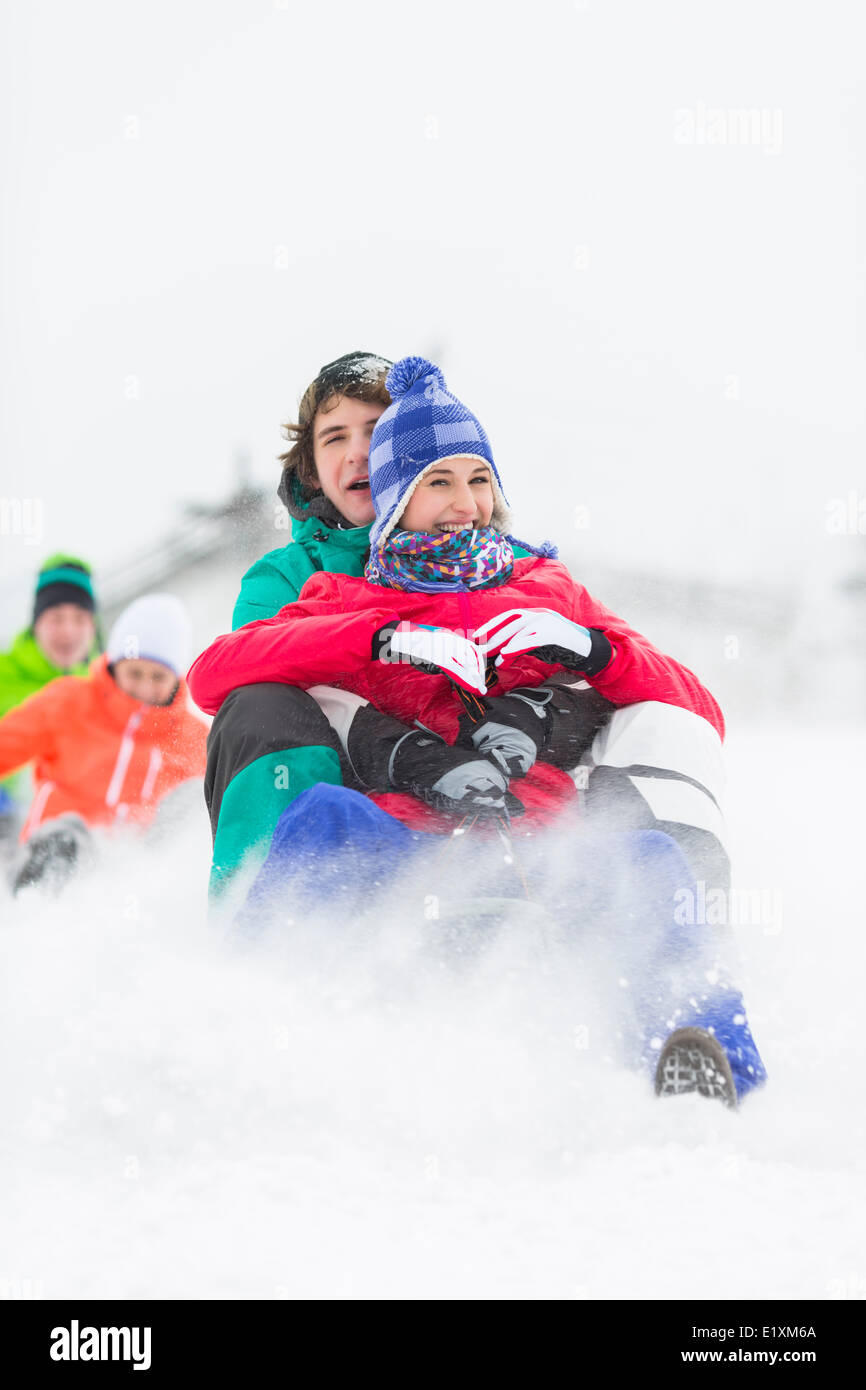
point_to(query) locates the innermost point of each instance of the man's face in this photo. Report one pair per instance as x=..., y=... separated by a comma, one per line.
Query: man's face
x=341, y=450
x=149, y=681
x=455, y=494
x=64, y=634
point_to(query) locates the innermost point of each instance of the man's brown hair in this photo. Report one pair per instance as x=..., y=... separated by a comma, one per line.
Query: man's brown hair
x=360, y=375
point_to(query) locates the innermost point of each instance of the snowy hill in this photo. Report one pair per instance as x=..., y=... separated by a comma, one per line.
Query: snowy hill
x=186, y=1120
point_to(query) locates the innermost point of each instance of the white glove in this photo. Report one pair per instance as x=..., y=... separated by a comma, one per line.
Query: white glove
x=442, y=649
x=555, y=638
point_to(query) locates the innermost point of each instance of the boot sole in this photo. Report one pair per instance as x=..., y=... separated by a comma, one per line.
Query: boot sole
x=692, y=1060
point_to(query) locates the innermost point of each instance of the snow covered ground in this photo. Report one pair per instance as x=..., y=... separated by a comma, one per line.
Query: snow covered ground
x=181, y=1120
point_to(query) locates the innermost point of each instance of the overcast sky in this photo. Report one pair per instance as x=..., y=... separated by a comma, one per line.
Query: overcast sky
x=652, y=304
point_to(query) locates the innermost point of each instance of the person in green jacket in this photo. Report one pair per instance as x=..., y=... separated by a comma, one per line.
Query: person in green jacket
x=61, y=640
x=269, y=742
x=324, y=486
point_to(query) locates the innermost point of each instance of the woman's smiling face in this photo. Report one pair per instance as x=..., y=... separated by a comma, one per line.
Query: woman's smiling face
x=456, y=493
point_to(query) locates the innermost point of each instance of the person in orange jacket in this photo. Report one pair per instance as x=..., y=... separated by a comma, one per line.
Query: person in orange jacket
x=109, y=746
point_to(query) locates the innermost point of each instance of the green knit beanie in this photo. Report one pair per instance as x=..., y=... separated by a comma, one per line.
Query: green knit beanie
x=63, y=579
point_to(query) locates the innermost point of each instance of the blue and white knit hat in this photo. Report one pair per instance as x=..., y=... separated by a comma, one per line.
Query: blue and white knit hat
x=423, y=425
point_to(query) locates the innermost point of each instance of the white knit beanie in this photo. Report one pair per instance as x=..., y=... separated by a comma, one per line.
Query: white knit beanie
x=155, y=627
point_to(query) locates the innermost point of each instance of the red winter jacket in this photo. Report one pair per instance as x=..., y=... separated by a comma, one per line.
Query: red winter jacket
x=327, y=637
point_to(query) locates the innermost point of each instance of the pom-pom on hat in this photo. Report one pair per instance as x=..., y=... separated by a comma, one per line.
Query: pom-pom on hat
x=424, y=424
x=155, y=627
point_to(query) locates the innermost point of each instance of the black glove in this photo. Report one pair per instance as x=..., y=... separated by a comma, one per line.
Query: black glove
x=556, y=721
x=514, y=728
x=449, y=778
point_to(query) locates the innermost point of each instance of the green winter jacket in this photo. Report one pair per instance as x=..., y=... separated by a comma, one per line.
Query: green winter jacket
x=254, y=799
x=278, y=577
x=24, y=669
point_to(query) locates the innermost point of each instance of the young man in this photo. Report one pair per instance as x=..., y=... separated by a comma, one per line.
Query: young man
x=324, y=485
x=269, y=742
x=60, y=641
x=61, y=637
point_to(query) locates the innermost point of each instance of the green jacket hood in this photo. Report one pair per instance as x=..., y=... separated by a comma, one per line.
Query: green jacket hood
x=278, y=577
x=312, y=533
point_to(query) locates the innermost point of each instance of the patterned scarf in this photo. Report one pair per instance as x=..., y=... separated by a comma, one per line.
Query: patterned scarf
x=446, y=564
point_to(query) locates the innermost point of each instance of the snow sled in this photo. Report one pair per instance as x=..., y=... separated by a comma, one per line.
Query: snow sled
x=629, y=895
